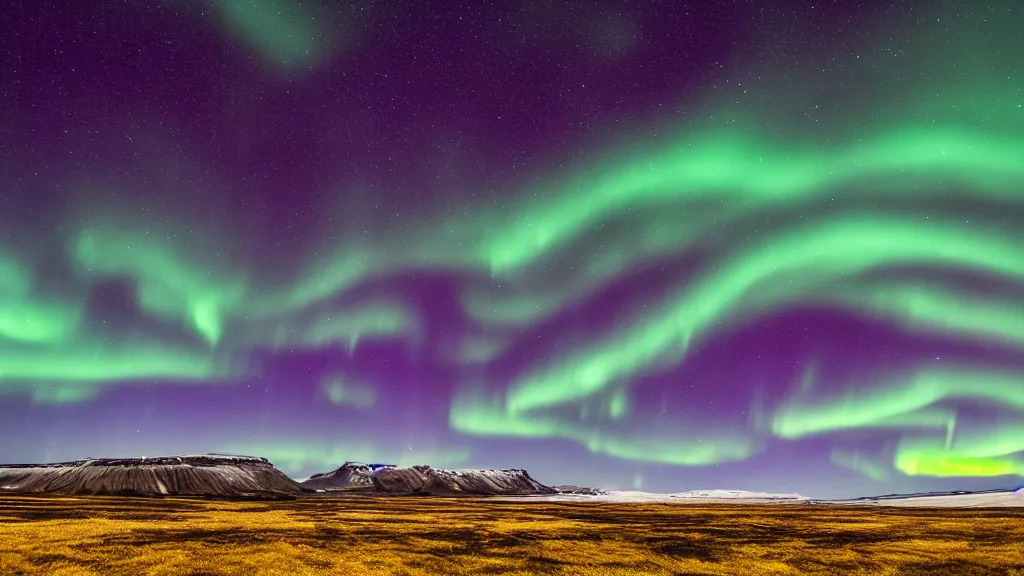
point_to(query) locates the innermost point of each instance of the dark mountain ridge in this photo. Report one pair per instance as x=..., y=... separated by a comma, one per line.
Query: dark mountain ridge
x=211, y=475
x=388, y=479
x=351, y=476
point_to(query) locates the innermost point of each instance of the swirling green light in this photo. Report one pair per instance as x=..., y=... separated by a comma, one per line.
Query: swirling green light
x=172, y=281
x=801, y=260
x=744, y=169
x=475, y=414
x=898, y=401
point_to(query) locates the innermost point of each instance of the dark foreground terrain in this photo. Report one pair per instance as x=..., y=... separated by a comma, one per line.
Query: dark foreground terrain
x=97, y=535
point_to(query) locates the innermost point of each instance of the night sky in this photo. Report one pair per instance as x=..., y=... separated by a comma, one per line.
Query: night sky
x=657, y=245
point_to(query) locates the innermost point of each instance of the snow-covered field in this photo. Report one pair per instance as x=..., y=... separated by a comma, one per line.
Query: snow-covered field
x=979, y=500
x=630, y=496
x=976, y=500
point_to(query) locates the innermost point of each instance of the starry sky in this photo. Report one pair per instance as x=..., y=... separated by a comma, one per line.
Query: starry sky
x=656, y=245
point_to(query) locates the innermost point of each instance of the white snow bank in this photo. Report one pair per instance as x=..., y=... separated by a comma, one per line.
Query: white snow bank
x=736, y=494
x=632, y=496
x=980, y=500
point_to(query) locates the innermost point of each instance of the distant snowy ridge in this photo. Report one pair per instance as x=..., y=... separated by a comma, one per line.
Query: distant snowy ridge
x=737, y=494
x=986, y=499
x=632, y=496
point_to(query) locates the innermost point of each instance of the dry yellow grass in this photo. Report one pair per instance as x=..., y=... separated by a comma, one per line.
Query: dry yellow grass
x=104, y=536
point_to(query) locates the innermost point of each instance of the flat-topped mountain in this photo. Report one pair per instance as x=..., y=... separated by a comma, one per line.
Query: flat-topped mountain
x=204, y=475
x=387, y=479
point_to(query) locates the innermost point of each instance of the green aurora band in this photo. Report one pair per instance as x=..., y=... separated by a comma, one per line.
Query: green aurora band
x=346, y=393
x=803, y=259
x=529, y=259
x=294, y=455
x=286, y=34
x=939, y=309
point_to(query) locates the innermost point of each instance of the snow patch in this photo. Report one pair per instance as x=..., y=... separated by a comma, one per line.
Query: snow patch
x=634, y=496
x=975, y=500
x=736, y=494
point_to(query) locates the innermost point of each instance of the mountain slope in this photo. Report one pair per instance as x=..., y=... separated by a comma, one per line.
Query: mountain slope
x=349, y=476
x=206, y=475
x=427, y=480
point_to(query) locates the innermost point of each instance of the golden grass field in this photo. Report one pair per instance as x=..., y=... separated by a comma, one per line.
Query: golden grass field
x=101, y=536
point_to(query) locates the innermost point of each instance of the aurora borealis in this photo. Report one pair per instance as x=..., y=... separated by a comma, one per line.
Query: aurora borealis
x=666, y=246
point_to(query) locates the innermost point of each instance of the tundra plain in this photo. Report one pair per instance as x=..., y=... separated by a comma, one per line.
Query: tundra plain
x=420, y=536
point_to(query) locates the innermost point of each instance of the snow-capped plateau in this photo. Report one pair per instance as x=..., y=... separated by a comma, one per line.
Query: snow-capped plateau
x=388, y=479
x=215, y=475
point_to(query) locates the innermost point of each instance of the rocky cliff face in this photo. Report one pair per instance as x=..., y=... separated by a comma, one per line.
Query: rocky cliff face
x=427, y=480
x=350, y=476
x=206, y=475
